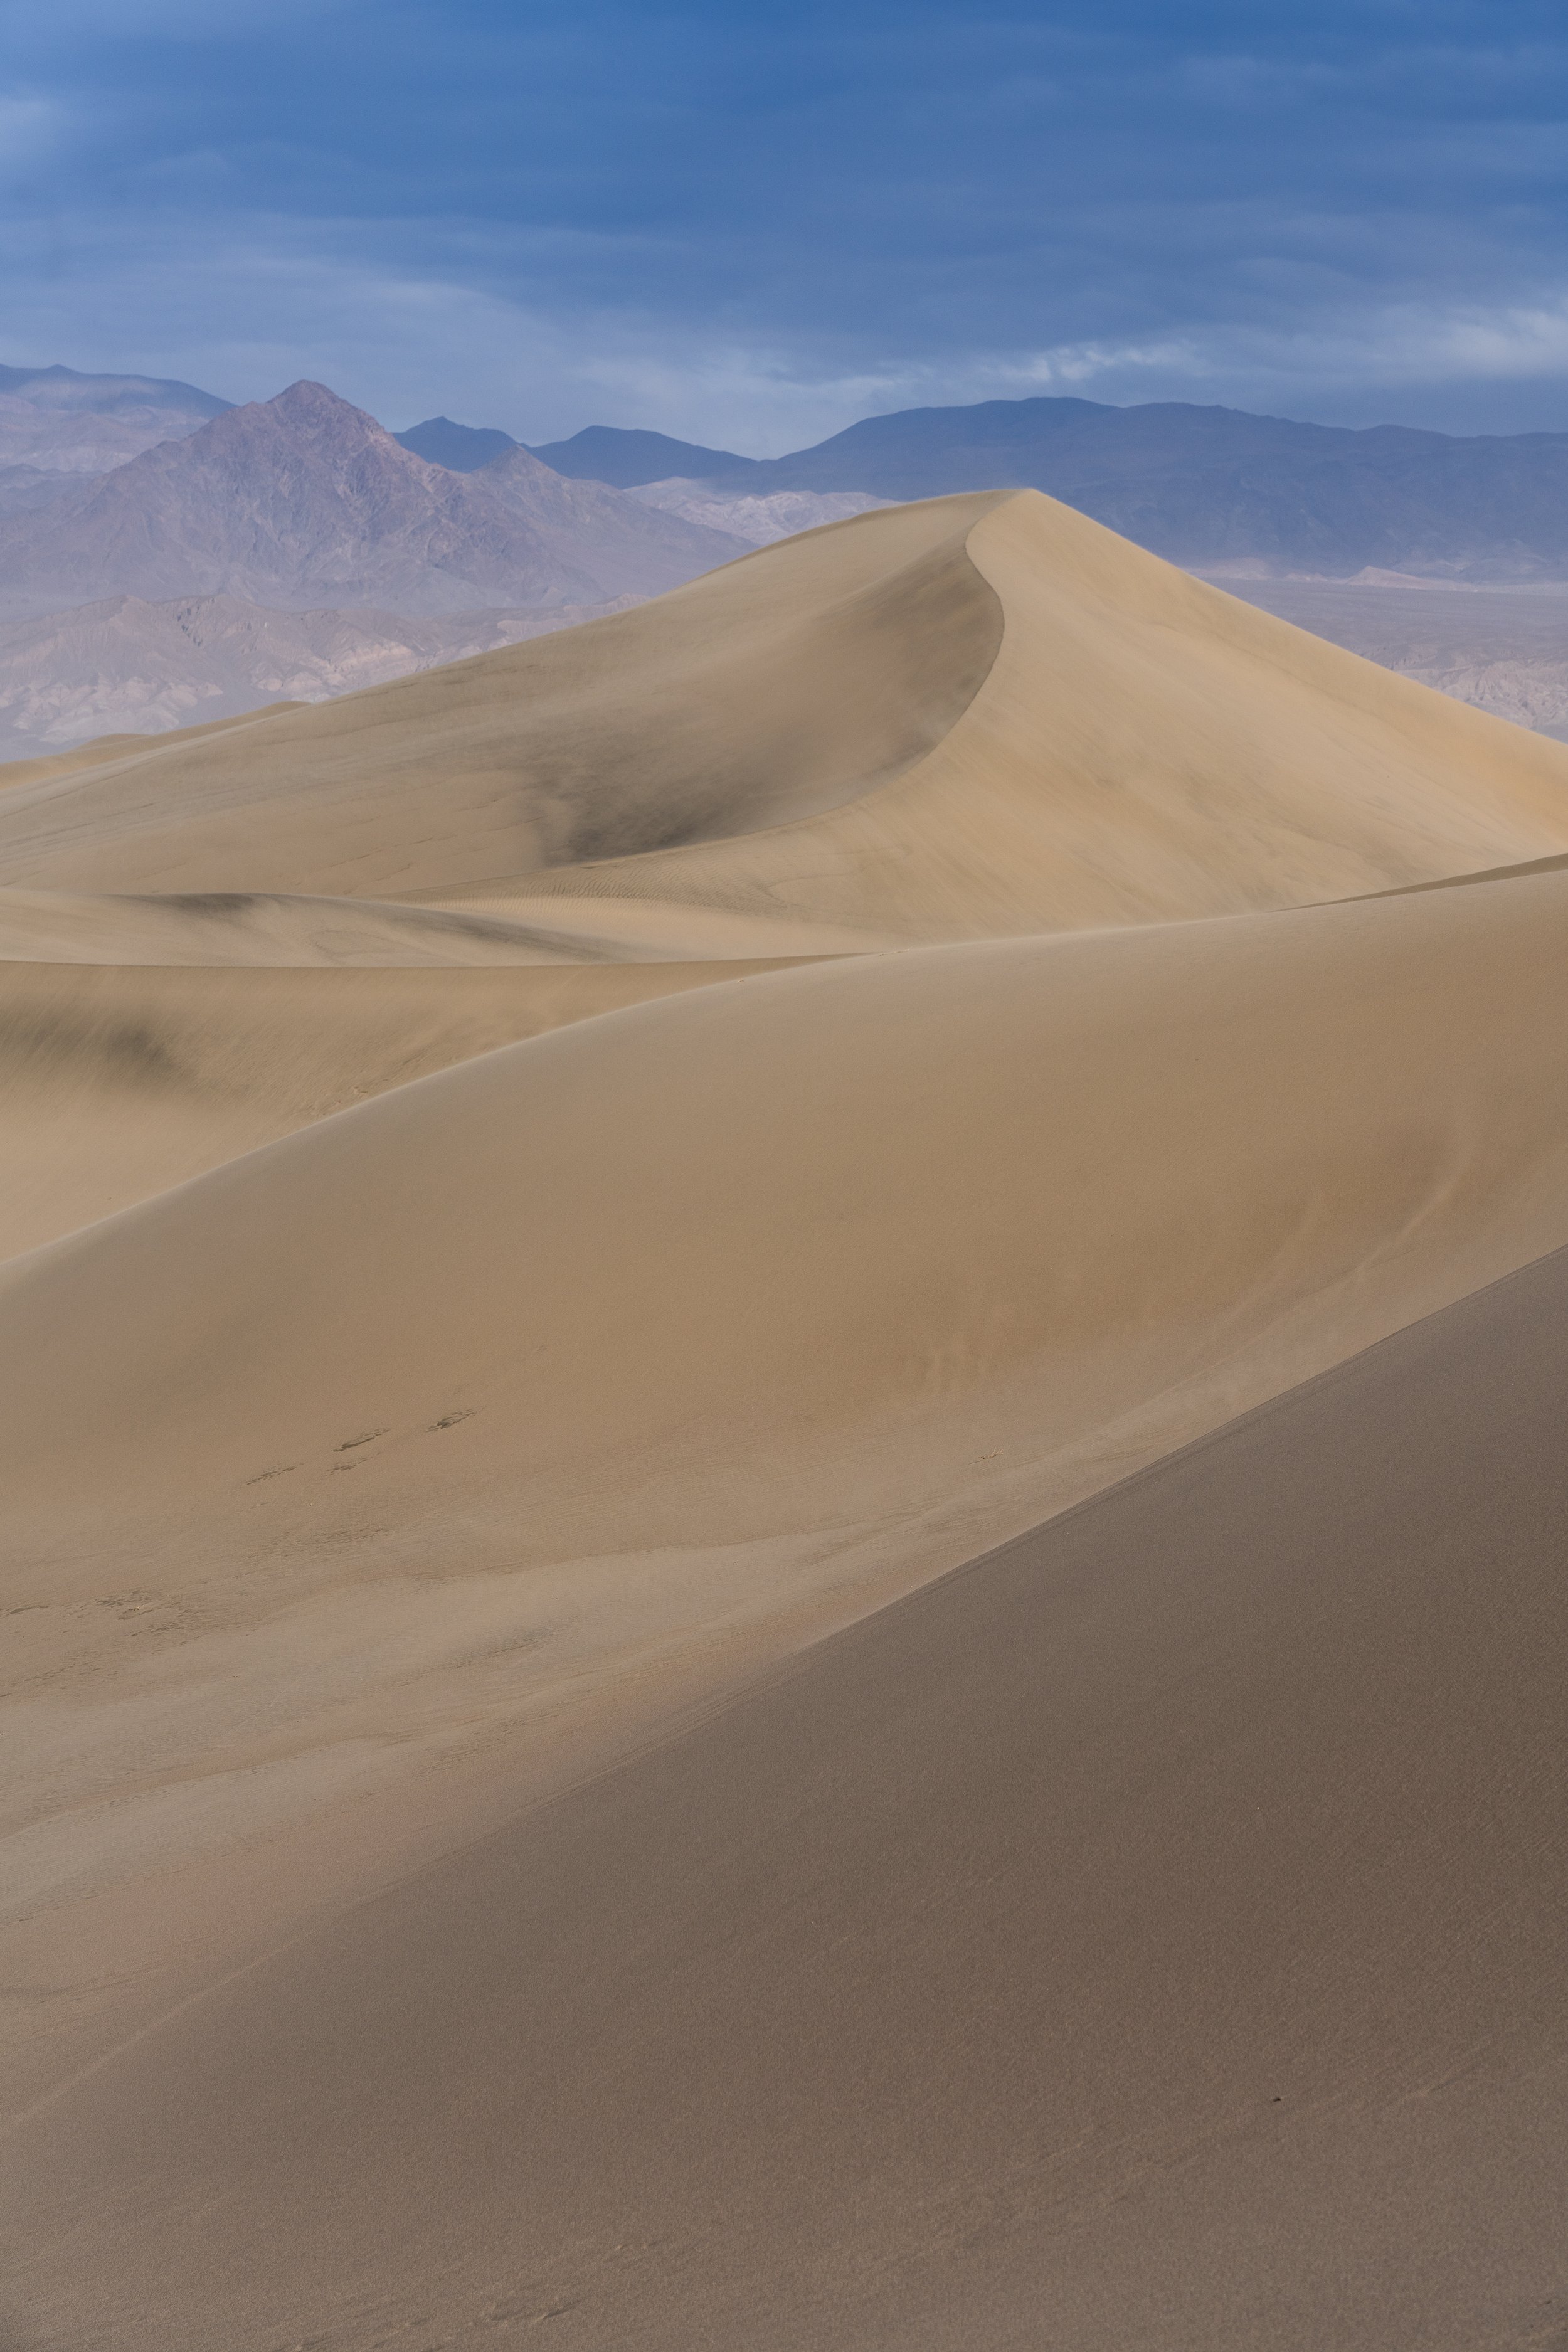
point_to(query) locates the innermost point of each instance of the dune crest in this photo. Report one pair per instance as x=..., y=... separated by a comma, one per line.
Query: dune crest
x=540, y=1191
x=783, y=685
x=1145, y=749
x=982, y=715
x=730, y=1311
x=121, y=1081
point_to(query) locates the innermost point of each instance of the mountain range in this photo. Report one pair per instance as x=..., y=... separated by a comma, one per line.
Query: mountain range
x=167, y=556
x=56, y=422
x=127, y=667
x=305, y=500
x=461, y=448
x=1201, y=486
x=69, y=392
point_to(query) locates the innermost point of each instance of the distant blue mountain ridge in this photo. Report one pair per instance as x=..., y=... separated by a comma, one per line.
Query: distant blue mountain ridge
x=1202, y=485
x=461, y=448
x=104, y=395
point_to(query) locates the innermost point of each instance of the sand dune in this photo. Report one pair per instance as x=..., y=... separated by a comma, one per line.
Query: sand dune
x=275, y=930
x=1155, y=1935
x=787, y=683
x=117, y=1083
x=1143, y=749
x=656, y=1331
x=937, y=721
x=1140, y=1155
x=534, y=1290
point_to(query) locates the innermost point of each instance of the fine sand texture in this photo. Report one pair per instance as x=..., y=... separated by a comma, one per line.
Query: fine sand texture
x=543, y=1208
x=119, y=1082
x=1155, y=1935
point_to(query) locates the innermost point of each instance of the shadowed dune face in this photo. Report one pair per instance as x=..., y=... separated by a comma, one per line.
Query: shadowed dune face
x=1145, y=749
x=1156, y=1935
x=468, y=1382
x=977, y=716
x=704, y=1322
x=751, y=698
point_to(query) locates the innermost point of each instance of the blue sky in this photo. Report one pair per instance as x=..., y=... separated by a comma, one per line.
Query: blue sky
x=751, y=226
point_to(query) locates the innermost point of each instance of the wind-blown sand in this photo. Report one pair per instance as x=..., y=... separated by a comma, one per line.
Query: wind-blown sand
x=373, y=1483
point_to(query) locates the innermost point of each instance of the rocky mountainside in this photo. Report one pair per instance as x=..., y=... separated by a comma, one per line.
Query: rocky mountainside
x=758, y=520
x=1502, y=649
x=55, y=423
x=126, y=666
x=1202, y=486
x=304, y=502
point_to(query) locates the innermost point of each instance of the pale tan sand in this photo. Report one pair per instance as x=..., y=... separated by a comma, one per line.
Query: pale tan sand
x=1143, y=748
x=276, y=929
x=375, y=1482
x=688, y=1330
x=267, y=928
x=979, y=715
x=116, y=1084
x=787, y=683
x=102, y=750
x=1154, y=1936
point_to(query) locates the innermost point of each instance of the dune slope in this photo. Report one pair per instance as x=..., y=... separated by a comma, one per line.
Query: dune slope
x=786, y=683
x=1145, y=749
x=117, y=1083
x=276, y=929
x=982, y=715
x=916, y=2001
x=538, y=1192
x=698, y=1326
x=1137, y=1151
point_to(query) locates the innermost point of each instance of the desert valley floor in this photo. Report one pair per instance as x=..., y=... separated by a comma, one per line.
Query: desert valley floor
x=919, y=1190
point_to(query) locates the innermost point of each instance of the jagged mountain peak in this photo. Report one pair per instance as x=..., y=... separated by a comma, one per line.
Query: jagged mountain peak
x=310, y=407
x=306, y=500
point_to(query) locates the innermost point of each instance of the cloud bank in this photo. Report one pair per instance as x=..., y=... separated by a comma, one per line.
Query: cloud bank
x=751, y=228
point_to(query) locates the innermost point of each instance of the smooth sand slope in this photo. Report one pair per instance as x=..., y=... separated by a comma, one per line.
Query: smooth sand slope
x=1143, y=749
x=676, y=1334
x=271, y=929
x=782, y=685
x=275, y=930
x=1154, y=1936
x=117, y=1083
x=977, y=715
x=544, y=1294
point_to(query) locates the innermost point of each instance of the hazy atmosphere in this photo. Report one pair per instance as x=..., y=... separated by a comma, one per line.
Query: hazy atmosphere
x=748, y=227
